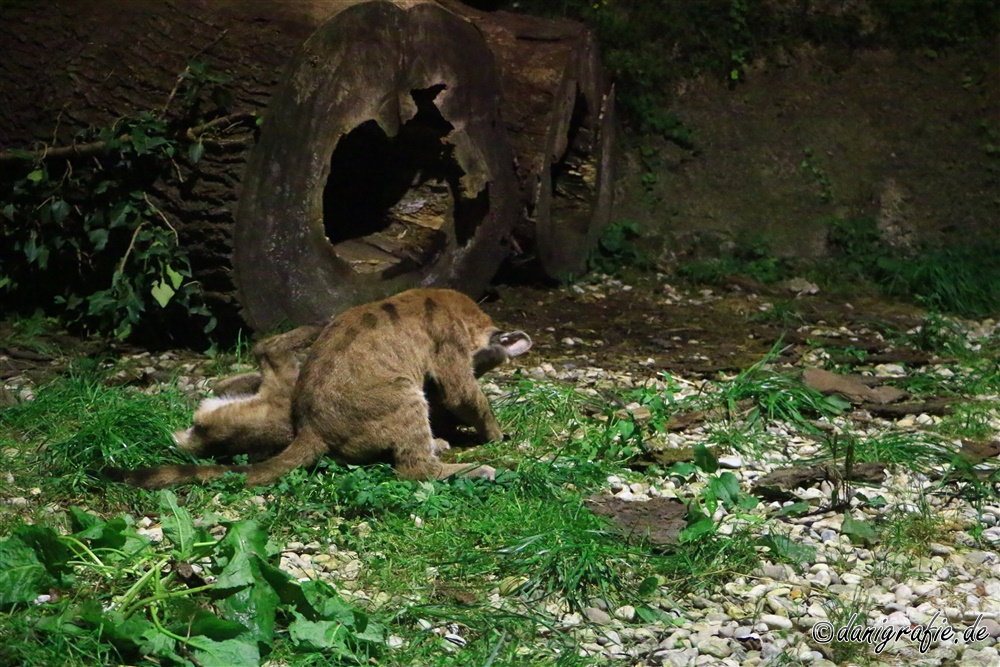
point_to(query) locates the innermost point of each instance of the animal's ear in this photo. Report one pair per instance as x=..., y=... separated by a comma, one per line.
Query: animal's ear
x=503, y=346
x=515, y=342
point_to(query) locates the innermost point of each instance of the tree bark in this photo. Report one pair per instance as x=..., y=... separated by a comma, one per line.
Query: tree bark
x=560, y=114
x=386, y=157
x=383, y=164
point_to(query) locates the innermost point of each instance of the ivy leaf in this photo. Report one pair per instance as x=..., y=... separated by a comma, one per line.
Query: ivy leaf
x=139, y=141
x=195, y=153
x=162, y=292
x=8, y=212
x=59, y=210
x=36, y=176
x=43, y=257
x=175, y=278
x=99, y=237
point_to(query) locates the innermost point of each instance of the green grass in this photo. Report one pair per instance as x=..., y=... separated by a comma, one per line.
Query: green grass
x=503, y=563
x=76, y=424
x=528, y=534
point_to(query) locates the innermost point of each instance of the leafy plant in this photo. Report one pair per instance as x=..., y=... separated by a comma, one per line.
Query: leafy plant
x=748, y=257
x=776, y=396
x=86, y=234
x=811, y=169
x=959, y=277
x=191, y=600
x=617, y=248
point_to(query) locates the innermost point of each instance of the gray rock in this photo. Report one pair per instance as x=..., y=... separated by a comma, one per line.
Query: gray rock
x=598, y=616
x=775, y=622
x=716, y=647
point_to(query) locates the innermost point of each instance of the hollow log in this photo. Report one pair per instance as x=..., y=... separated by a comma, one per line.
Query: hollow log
x=380, y=162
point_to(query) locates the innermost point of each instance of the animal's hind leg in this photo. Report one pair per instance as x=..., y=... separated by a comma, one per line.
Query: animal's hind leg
x=227, y=427
x=415, y=449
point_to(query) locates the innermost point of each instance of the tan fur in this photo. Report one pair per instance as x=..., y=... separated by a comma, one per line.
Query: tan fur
x=360, y=394
x=252, y=414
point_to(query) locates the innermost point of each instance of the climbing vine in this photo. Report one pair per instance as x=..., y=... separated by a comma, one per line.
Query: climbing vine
x=84, y=238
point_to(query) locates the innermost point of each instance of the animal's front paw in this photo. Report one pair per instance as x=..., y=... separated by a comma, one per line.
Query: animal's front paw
x=492, y=434
x=440, y=445
x=486, y=472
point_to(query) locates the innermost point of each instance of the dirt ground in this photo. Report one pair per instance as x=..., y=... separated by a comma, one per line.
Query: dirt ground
x=649, y=326
x=645, y=325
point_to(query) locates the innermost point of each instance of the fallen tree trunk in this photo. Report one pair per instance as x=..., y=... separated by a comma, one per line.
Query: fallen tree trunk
x=382, y=164
x=382, y=161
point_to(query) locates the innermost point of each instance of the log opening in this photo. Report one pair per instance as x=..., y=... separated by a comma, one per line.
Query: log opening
x=573, y=176
x=392, y=204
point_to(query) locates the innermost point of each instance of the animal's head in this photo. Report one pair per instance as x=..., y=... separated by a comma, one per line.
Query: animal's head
x=502, y=346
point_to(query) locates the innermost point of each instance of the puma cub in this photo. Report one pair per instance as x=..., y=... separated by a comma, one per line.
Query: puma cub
x=361, y=395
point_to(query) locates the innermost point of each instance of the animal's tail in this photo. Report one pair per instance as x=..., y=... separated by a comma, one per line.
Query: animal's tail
x=305, y=449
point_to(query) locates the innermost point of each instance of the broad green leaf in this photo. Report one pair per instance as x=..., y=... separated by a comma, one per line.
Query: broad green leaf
x=195, y=152
x=253, y=607
x=8, y=212
x=794, y=509
x=789, y=549
x=175, y=278
x=682, y=469
x=114, y=534
x=59, y=209
x=99, y=237
x=123, y=632
x=178, y=527
x=650, y=614
x=162, y=292
x=36, y=176
x=726, y=488
x=705, y=459
x=138, y=140
x=209, y=625
x=318, y=635
x=327, y=603
x=242, y=651
x=696, y=530
x=22, y=575
x=648, y=586
x=243, y=540
x=154, y=643
x=858, y=531
x=288, y=589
